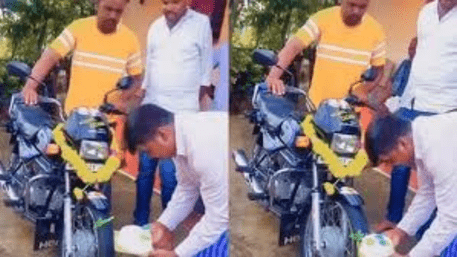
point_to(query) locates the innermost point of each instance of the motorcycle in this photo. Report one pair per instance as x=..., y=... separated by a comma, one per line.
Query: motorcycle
x=59, y=171
x=302, y=165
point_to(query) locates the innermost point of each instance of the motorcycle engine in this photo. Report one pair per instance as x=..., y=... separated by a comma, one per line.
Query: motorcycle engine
x=283, y=182
x=284, y=186
x=40, y=190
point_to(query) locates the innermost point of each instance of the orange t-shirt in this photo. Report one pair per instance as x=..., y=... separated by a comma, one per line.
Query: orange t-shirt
x=99, y=60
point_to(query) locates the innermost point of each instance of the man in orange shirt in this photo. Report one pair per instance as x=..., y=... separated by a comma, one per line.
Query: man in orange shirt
x=103, y=51
x=348, y=42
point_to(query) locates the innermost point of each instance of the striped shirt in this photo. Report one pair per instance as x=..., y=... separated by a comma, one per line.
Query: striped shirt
x=99, y=60
x=343, y=53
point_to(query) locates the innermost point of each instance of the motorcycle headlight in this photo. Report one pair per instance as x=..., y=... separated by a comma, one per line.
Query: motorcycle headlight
x=92, y=150
x=345, y=144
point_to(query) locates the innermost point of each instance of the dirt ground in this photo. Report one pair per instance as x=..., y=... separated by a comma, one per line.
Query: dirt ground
x=254, y=231
x=17, y=234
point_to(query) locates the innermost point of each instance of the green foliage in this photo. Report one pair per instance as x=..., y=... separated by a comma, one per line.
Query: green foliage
x=265, y=24
x=32, y=25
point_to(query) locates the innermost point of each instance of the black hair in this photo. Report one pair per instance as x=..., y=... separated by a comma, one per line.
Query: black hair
x=383, y=134
x=142, y=124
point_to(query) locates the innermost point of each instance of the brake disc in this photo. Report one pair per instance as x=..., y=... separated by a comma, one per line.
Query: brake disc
x=334, y=241
x=84, y=243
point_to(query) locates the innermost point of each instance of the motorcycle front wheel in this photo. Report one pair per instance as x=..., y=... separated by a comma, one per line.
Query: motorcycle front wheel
x=339, y=222
x=90, y=240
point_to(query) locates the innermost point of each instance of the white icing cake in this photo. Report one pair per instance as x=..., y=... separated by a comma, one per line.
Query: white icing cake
x=376, y=245
x=134, y=240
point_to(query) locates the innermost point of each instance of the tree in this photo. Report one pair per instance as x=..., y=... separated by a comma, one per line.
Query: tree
x=263, y=24
x=32, y=25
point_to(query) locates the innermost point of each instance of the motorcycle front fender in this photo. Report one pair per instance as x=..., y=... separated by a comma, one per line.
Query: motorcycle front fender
x=350, y=196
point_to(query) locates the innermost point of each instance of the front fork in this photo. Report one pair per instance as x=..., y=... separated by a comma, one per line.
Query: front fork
x=315, y=209
x=67, y=220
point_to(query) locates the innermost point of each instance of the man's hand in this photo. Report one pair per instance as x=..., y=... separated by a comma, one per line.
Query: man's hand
x=163, y=253
x=275, y=85
x=29, y=92
x=205, y=97
x=292, y=48
x=162, y=237
x=43, y=66
x=384, y=225
x=397, y=236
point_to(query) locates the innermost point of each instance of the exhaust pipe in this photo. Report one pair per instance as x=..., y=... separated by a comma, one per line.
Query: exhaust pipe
x=242, y=165
x=5, y=185
x=241, y=161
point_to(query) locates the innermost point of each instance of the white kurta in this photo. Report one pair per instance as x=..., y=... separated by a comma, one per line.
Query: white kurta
x=178, y=62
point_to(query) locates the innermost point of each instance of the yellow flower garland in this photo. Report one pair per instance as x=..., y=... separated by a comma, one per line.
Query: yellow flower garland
x=330, y=158
x=71, y=156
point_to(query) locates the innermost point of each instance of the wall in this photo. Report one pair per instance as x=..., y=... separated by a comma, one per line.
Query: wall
x=398, y=18
x=138, y=17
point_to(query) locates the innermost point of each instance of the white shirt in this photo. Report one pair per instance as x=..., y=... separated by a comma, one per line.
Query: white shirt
x=434, y=69
x=202, y=168
x=435, y=146
x=178, y=62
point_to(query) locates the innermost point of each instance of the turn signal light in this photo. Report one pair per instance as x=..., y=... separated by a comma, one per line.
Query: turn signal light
x=52, y=149
x=302, y=142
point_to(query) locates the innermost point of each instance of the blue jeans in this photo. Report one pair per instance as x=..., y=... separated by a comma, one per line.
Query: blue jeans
x=400, y=180
x=145, y=182
x=218, y=249
x=451, y=250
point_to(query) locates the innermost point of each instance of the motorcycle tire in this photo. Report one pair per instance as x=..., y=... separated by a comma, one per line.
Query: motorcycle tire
x=355, y=218
x=103, y=235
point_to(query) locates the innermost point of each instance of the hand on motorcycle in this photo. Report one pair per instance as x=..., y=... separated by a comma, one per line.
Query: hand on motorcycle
x=162, y=237
x=163, y=253
x=275, y=85
x=398, y=237
x=29, y=92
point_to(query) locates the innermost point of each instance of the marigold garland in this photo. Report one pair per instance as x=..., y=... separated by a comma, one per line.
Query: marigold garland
x=71, y=156
x=335, y=166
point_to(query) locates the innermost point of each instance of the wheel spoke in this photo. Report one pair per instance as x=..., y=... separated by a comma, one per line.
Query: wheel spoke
x=334, y=218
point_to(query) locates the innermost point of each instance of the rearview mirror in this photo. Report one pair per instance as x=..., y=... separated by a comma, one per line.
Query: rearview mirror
x=19, y=69
x=369, y=75
x=265, y=57
x=125, y=83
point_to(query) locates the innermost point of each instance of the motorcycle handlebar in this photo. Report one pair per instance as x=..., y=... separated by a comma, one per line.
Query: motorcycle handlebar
x=41, y=99
x=109, y=108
